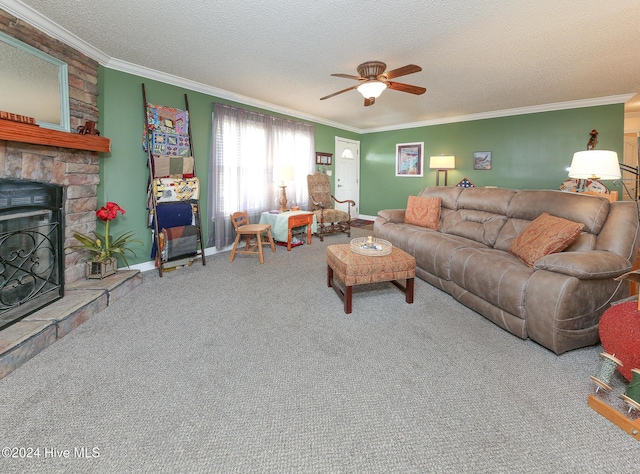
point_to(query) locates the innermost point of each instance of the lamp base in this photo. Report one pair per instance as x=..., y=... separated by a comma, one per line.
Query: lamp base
x=282, y=202
x=438, y=177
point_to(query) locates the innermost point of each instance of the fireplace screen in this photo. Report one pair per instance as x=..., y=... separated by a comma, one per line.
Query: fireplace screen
x=31, y=253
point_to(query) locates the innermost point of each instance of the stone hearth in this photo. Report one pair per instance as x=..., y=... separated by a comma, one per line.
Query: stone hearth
x=83, y=300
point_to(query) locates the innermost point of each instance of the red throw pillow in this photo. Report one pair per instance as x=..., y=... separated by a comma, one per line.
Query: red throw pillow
x=424, y=212
x=543, y=236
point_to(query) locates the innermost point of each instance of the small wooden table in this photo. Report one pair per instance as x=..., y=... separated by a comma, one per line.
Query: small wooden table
x=298, y=220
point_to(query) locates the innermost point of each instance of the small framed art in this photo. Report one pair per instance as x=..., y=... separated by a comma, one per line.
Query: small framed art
x=410, y=159
x=482, y=160
x=323, y=158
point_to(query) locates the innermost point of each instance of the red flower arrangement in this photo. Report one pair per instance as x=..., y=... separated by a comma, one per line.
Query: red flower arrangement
x=103, y=246
x=109, y=211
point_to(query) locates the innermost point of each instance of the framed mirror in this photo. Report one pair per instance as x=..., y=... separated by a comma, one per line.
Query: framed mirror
x=34, y=84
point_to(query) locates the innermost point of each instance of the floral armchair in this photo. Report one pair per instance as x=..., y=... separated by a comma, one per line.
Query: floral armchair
x=322, y=204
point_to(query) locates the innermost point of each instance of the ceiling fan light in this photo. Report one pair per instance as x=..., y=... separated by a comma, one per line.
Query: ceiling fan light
x=371, y=89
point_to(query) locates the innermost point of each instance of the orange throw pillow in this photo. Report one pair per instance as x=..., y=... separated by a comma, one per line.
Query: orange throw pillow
x=543, y=236
x=424, y=212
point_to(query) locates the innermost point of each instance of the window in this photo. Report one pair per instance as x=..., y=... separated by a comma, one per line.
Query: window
x=248, y=150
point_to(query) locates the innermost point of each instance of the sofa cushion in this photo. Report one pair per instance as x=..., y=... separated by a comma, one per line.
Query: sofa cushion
x=399, y=234
x=495, y=276
x=433, y=250
x=595, y=265
x=423, y=211
x=528, y=204
x=494, y=200
x=545, y=235
x=448, y=194
x=480, y=226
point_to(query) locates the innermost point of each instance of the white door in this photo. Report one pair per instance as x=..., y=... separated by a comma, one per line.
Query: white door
x=347, y=179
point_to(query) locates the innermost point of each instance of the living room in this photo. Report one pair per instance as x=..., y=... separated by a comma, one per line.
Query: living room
x=531, y=147
x=523, y=141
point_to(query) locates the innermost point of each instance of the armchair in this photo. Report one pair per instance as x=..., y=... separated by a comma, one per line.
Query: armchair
x=322, y=204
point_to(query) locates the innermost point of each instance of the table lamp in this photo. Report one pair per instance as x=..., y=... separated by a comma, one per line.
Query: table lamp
x=285, y=174
x=442, y=163
x=595, y=164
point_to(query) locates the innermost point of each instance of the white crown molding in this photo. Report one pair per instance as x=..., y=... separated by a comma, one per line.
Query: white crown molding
x=534, y=109
x=142, y=71
x=31, y=16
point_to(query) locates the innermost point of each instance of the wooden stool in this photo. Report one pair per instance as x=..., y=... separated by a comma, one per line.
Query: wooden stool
x=355, y=269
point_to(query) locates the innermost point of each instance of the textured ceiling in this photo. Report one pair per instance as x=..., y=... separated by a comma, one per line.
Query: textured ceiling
x=477, y=56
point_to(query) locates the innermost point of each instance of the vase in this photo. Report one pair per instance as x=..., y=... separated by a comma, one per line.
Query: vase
x=102, y=268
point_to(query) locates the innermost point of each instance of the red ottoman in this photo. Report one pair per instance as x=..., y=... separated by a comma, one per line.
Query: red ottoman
x=355, y=269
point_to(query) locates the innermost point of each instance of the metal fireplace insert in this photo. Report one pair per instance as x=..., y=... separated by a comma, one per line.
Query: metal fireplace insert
x=31, y=248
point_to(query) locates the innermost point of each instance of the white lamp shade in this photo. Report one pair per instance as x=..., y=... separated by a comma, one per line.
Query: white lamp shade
x=371, y=89
x=442, y=162
x=285, y=174
x=595, y=164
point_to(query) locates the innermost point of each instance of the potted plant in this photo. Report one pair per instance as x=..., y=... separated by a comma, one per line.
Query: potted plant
x=103, y=247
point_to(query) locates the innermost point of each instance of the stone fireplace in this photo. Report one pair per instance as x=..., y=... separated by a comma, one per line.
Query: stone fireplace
x=48, y=156
x=31, y=251
x=77, y=171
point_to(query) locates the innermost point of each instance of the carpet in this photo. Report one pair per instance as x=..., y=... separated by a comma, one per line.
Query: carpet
x=249, y=368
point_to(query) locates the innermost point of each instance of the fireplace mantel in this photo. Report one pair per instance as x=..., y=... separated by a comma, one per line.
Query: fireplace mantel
x=25, y=133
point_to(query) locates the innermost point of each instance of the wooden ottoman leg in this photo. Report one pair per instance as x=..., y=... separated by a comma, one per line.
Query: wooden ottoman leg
x=409, y=292
x=347, y=299
x=407, y=289
x=345, y=296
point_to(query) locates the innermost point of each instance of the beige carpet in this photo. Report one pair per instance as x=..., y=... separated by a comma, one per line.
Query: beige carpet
x=249, y=368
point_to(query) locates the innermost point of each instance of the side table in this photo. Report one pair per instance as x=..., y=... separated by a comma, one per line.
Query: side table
x=283, y=223
x=299, y=220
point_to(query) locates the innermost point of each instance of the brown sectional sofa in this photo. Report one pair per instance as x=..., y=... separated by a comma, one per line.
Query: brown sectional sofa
x=558, y=302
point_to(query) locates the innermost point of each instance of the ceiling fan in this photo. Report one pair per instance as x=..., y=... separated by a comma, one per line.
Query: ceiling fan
x=373, y=80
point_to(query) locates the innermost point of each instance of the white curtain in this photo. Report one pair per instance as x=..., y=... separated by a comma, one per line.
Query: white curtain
x=248, y=150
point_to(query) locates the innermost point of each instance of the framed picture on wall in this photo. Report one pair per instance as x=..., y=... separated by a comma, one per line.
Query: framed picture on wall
x=323, y=158
x=410, y=159
x=482, y=160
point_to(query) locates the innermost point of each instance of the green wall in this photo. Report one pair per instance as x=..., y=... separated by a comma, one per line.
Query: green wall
x=124, y=172
x=531, y=151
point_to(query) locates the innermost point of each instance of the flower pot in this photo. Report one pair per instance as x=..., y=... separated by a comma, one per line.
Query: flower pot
x=102, y=268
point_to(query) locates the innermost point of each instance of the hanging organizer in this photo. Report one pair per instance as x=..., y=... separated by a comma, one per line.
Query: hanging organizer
x=173, y=187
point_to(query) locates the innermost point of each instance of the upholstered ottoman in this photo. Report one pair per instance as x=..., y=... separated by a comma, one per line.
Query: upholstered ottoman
x=354, y=269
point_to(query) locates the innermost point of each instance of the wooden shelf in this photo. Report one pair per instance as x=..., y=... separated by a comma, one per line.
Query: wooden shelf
x=25, y=133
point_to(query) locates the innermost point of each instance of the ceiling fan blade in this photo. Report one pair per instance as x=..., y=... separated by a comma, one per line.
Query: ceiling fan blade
x=339, y=92
x=369, y=101
x=401, y=71
x=398, y=86
x=349, y=76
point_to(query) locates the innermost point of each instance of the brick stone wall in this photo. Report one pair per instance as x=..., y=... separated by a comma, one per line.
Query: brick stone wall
x=77, y=170
x=83, y=71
